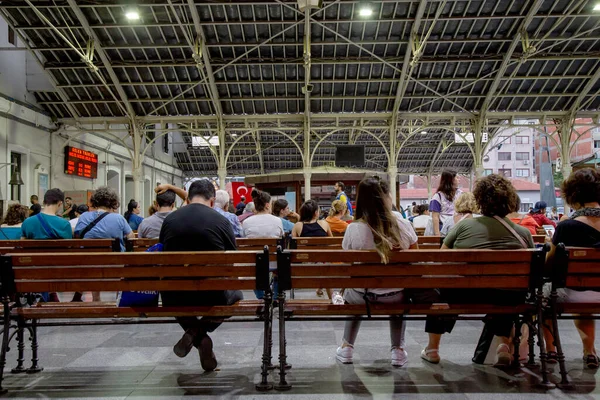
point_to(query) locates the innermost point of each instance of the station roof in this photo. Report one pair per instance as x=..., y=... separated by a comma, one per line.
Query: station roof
x=261, y=72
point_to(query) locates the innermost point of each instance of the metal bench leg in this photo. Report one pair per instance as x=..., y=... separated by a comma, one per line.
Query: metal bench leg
x=264, y=385
x=540, y=332
x=34, y=349
x=564, y=381
x=282, y=385
x=20, y=347
x=5, y=338
x=531, y=342
x=517, y=343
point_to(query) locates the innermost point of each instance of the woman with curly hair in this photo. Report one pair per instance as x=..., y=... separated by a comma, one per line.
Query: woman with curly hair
x=103, y=222
x=582, y=192
x=496, y=198
x=11, y=226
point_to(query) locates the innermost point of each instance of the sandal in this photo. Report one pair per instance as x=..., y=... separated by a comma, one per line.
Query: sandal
x=431, y=355
x=591, y=361
x=551, y=357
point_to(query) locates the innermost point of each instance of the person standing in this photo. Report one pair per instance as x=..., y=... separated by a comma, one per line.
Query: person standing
x=47, y=225
x=441, y=205
x=341, y=195
x=70, y=207
x=239, y=208
x=198, y=227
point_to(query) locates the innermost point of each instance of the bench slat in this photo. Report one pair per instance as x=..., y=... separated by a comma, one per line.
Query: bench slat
x=495, y=282
x=239, y=309
x=159, y=258
x=472, y=256
x=307, y=309
x=57, y=243
x=401, y=269
x=141, y=285
x=84, y=272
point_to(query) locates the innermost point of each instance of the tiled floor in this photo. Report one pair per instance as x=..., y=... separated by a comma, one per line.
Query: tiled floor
x=137, y=362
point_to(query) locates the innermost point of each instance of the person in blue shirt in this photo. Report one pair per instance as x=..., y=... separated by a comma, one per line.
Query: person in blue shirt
x=47, y=225
x=221, y=206
x=282, y=210
x=132, y=214
x=11, y=226
x=340, y=195
x=111, y=225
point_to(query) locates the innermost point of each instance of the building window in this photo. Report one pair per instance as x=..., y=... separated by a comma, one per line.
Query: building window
x=12, y=38
x=522, y=173
x=504, y=140
x=522, y=156
x=507, y=173
x=522, y=140
x=525, y=207
x=487, y=172
x=504, y=156
x=597, y=144
x=15, y=190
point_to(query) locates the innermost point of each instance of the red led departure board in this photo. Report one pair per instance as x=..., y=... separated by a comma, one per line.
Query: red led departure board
x=80, y=162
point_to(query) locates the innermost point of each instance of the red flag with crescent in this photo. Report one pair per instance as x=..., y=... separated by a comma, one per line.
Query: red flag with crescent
x=239, y=189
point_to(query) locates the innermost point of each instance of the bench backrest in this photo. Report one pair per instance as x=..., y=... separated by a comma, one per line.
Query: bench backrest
x=139, y=244
x=420, y=231
x=500, y=269
x=69, y=272
x=576, y=267
x=430, y=242
x=59, y=245
x=539, y=239
x=316, y=243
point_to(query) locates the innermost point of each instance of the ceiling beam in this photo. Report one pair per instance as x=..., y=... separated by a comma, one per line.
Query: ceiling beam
x=491, y=94
x=103, y=57
x=585, y=91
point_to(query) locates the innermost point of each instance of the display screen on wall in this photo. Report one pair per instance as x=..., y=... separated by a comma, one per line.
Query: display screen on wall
x=80, y=162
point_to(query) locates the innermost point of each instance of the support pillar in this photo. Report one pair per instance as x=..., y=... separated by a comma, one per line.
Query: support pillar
x=429, y=194
x=222, y=172
x=478, y=146
x=137, y=135
x=393, y=178
x=307, y=175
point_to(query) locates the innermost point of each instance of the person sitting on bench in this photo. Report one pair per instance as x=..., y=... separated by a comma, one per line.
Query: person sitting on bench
x=376, y=228
x=496, y=197
x=198, y=227
x=582, y=192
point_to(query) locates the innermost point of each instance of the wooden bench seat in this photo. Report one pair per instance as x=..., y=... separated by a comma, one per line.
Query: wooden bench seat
x=137, y=271
x=410, y=269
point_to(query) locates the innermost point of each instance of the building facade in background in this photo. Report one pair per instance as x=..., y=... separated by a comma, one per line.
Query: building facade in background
x=511, y=154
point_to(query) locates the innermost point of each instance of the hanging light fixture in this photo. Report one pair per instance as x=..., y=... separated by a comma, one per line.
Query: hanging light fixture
x=365, y=9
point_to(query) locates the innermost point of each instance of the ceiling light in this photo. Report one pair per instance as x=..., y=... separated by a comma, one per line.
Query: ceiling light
x=597, y=7
x=132, y=15
x=366, y=11
x=423, y=132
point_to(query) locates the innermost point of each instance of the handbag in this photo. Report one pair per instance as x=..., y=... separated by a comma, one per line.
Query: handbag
x=140, y=298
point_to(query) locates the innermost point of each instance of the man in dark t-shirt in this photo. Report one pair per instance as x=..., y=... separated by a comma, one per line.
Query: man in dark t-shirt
x=197, y=227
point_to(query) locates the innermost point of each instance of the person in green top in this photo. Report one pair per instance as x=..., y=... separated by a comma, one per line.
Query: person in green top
x=46, y=225
x=496, y=198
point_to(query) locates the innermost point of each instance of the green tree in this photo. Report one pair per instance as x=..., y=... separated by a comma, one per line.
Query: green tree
x=558, y=178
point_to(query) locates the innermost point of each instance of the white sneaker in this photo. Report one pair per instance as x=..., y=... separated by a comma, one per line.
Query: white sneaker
x=399, y=357
x=503, y=357
x=344, y=354
x=337, y=298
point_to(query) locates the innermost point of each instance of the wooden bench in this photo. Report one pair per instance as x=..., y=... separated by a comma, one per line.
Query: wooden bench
x=59, y=245
x=334, y=243
x=539, y=239
x=574, y=268
x=162, y=271
x=420, y=231
x=139, y=245
x=414, y=269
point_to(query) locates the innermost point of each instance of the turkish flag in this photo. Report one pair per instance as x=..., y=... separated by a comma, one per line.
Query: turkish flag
x=238, y=190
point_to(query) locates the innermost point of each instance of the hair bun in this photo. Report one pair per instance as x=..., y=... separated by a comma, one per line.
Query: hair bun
x=255, y=193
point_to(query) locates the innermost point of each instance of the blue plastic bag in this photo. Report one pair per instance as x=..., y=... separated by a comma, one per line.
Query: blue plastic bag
x=140, y=298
